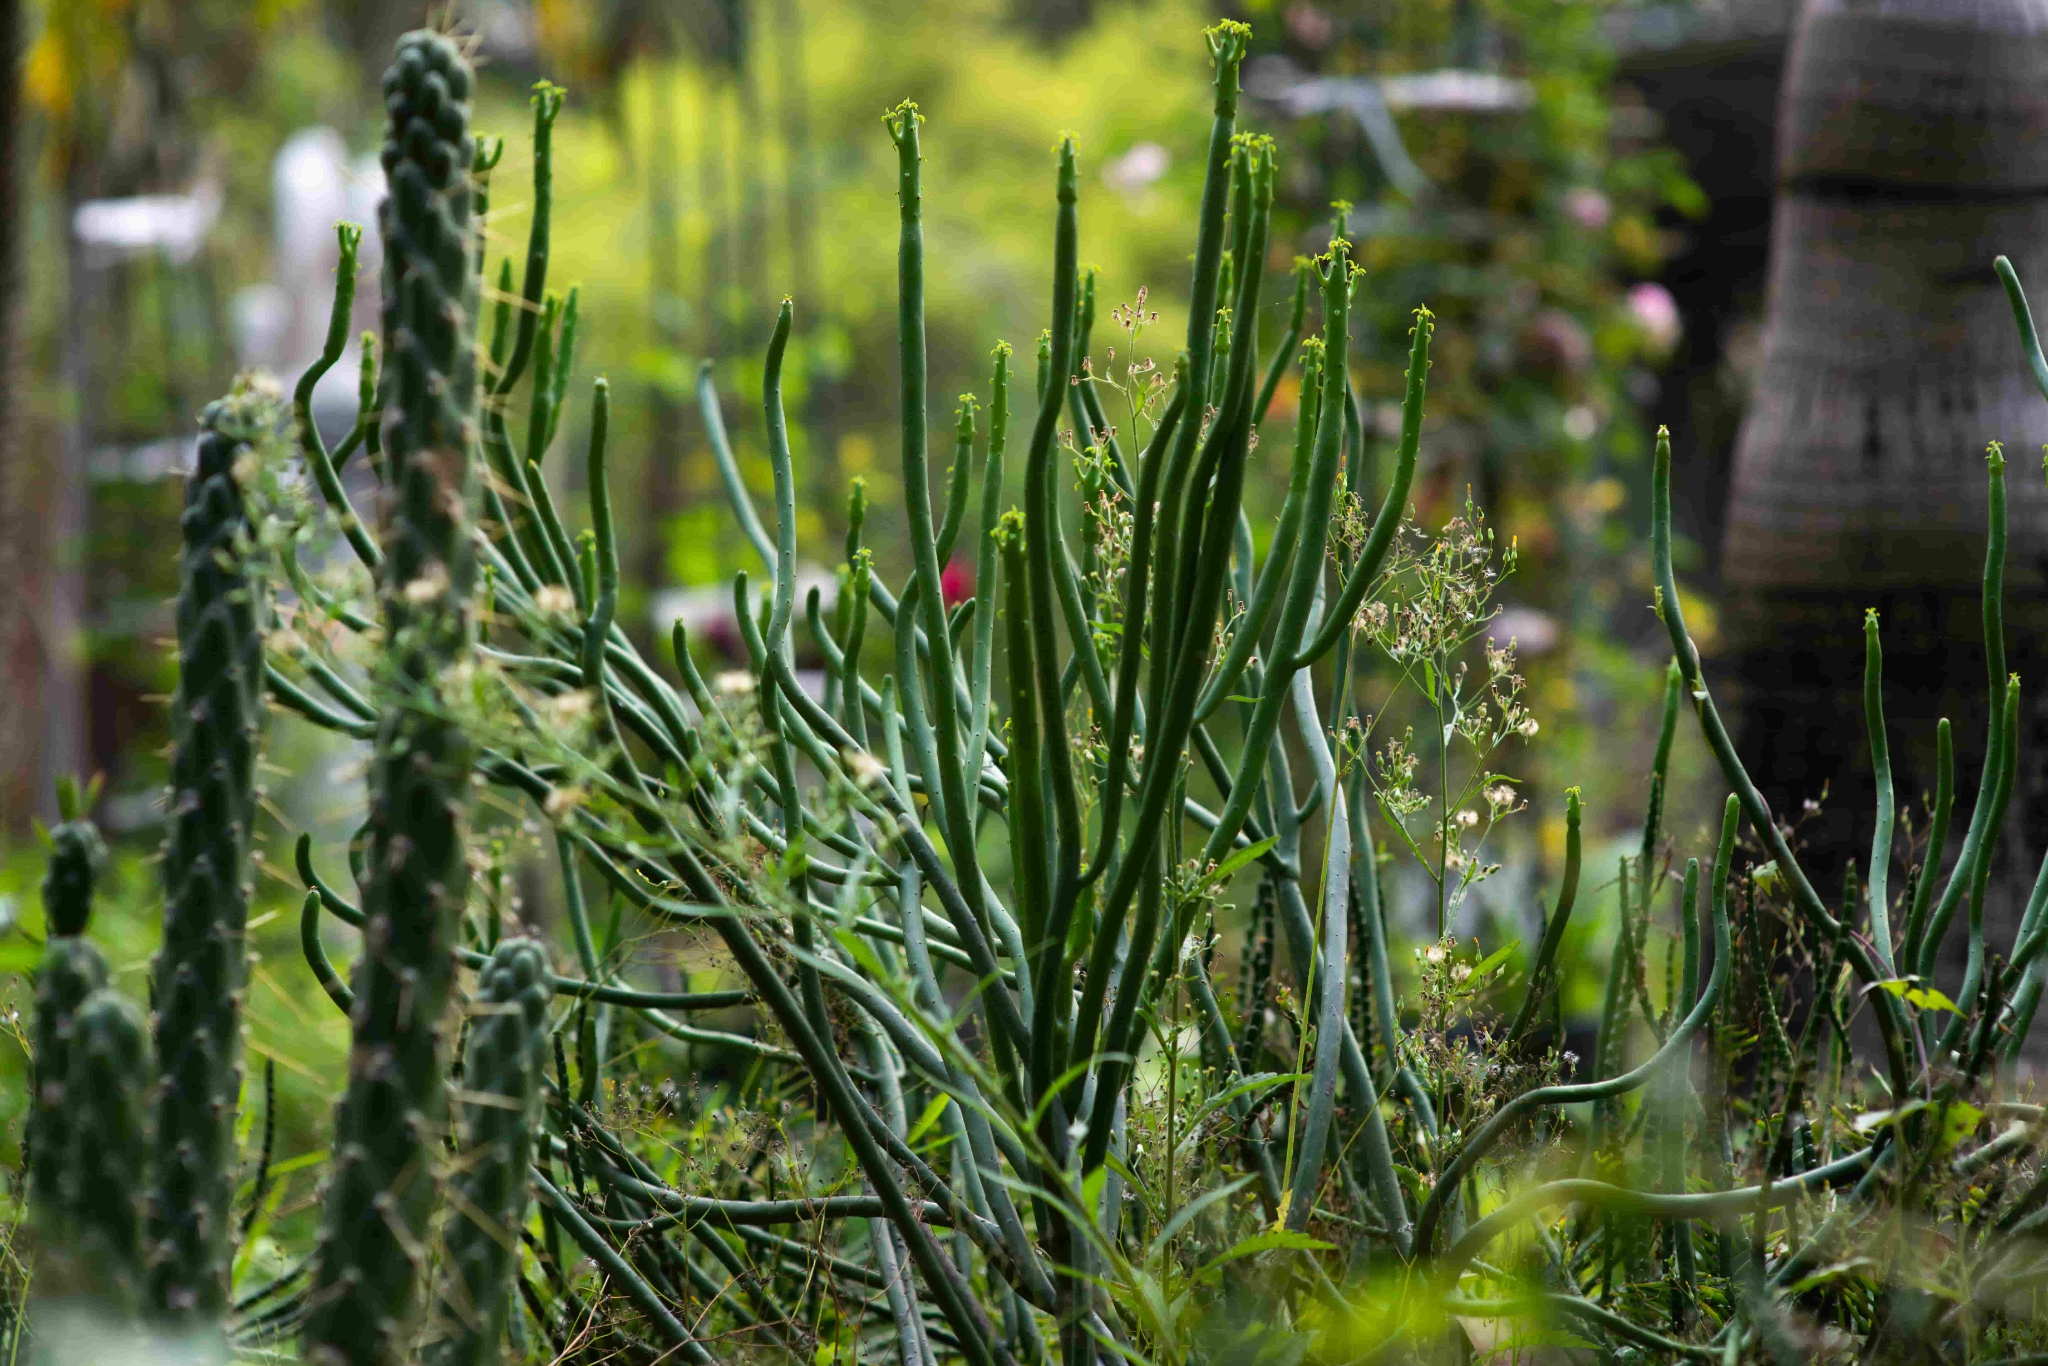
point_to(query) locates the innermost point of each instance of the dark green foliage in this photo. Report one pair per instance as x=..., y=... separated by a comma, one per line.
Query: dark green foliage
x=202, y=970
x=487, y=1193
x=382, y=1194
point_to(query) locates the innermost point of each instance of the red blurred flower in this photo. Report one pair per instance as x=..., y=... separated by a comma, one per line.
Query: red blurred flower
x=956, y=581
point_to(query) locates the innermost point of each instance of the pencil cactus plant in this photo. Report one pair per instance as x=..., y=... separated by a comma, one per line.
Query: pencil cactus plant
x=971, y=890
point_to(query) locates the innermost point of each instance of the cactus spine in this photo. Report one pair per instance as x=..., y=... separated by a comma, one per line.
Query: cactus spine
x=72, y=969
x=502, y=1068
x=202, y=970
x=382, y=1196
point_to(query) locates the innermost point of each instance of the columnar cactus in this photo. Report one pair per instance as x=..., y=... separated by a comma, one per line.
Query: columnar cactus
x=202, y=969
x=72, y=969
x=502, y=1070
x=390, y=1120
x=106, y=1089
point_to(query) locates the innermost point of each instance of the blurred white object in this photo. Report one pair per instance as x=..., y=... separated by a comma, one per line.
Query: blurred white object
x=1138, y=168
x=708, y=610
x=163, y=458
x=1471, y=92
x=280, y=325
x=504, y=31
x=114, y=230
x=1533, y=632
x=261, y=315
x=308, y=196
x=1371, y=101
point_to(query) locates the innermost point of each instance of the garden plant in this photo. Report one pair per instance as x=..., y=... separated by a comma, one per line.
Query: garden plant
x=978, y=1093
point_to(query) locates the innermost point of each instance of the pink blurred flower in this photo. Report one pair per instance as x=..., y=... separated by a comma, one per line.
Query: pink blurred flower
x=1555, y=345
x=1655, y=314
x=956, y=581
x=1587, y=207
x=1309, y=26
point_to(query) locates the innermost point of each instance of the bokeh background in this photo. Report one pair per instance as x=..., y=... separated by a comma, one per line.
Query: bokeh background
x=1581, y=190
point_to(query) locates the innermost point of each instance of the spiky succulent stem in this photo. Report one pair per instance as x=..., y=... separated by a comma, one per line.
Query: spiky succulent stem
x=366, y=1280
x=501, y=1070
x=72, y=969
x=202, y=970
x=106, y=1093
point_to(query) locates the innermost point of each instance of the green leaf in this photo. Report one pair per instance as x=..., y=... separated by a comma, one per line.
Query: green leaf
x=929, y=1117
x=1429, y=681
x=1958, y=1119
x=1913, y=993
x=1270, y=1240
x=1494, y=960
x=1243, y=857
x=1091, y=1189
x=20, y=956
x=1827, y=1275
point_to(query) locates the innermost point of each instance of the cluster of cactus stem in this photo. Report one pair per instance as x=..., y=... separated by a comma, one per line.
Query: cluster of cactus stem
x=962, y=899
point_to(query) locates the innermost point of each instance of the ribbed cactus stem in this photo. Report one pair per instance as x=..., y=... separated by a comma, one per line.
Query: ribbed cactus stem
x=390, y=1122
x=77, y=854
x=202, y=970
x=106, y=1093
x=72, y=969
x=487, y=1195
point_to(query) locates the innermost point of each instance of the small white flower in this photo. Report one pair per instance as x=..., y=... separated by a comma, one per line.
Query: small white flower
x=427, y=587
x=866, y=769
x=570, y=709
x=555, y=600
x=734, y=683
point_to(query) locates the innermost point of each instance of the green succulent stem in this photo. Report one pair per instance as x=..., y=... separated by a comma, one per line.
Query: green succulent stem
x=201, y=973
x=383, y=1191
x=72, y=969
x=488, y=1195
